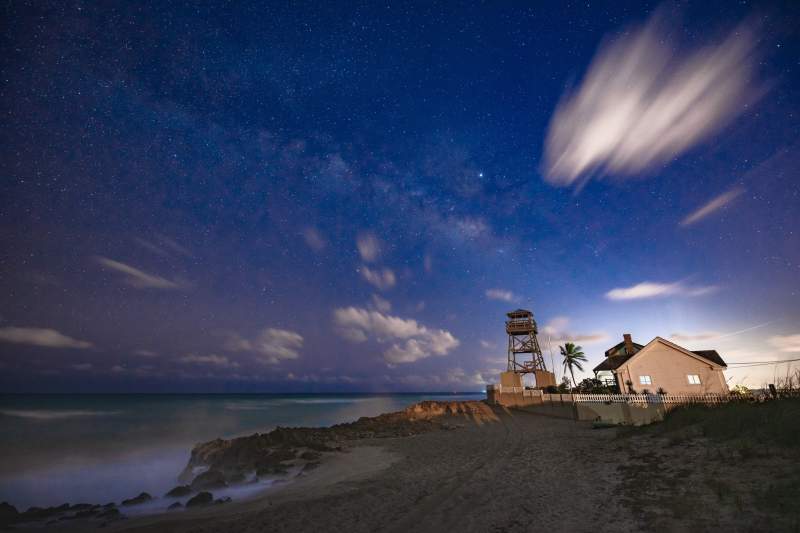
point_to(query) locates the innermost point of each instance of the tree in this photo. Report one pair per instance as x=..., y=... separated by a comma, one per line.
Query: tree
x=573, y=357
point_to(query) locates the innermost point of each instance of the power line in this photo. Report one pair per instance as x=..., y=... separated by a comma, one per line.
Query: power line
x=760, y=363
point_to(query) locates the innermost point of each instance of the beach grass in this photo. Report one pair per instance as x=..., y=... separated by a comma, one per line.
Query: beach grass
x=704, y=465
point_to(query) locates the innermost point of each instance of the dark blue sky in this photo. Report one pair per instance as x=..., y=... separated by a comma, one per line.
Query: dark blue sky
x=305, y=197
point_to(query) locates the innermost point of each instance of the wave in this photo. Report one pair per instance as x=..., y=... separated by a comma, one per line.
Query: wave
x=46, y=414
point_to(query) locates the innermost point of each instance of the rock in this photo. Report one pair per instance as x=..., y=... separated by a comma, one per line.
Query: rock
x=202, y=498
x=8, y=513
x=141, y=498
x=271, y=470
x=311, y=466
x=213, y=479
x=39, y=513
x=180, y=491
x=176, y=505
x=267, y=453
x=82, y=506
x=310, y=456
x=111, y=514
x=227, y=499
x=236, y=477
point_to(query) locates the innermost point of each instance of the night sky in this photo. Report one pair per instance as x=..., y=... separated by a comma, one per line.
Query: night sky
x=349, y=196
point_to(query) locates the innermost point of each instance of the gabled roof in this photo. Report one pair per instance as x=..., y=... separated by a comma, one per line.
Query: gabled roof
x=620, y=345
x=712, y=356
x=612, y=363
x=615, y=361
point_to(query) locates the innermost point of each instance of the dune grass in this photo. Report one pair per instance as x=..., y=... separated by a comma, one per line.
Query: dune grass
x=774, y=423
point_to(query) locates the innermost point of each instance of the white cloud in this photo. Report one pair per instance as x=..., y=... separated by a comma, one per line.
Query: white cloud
x=690, y=337
x=486, y=344
x=140, y=279
x=271, y=344
x=212, y=359
x=417, y=341
x=48, y=338
x=381, y=304
x=648, y=289
x=145, y=353
x=501, y=294
x=786, y=343
x=368, y=246
x=642, y=103
x=381, y=279
x=557, y=330
x=314, y=239
x=715, y=204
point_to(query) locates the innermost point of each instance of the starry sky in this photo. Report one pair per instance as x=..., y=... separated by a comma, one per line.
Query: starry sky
x=349, y=196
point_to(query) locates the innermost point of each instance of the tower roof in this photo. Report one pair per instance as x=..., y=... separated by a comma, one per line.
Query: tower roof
x=519, y=313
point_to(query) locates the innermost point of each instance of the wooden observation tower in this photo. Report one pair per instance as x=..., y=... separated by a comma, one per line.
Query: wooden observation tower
x=522, y=330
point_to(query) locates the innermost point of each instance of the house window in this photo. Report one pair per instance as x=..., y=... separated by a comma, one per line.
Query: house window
x=645, y=380
x=694, y=379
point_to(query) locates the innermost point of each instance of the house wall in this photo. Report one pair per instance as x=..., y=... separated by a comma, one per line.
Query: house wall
x=668, y=369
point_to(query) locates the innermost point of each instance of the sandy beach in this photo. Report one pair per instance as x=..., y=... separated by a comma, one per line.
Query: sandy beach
x=489, y=468
x=497, y=471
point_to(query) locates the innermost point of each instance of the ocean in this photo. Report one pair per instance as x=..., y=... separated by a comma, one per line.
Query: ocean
x=98, y=448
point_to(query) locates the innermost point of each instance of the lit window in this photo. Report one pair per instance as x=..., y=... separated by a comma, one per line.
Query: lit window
x=694, y=379
x=645, y=380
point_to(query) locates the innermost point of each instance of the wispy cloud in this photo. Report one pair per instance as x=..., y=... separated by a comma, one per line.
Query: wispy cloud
x=558, y=330
x=314, y=239
x=369, y=247
x=140, y=279
x=690, y=337
x=164, y=247
x=381, y=304
x=648, y=289
x=145, y=353
x=714, y=335
x=786, y=343
x=642, y=103
x=48, y=338
x=273, y=345
x=382, y=279
x=211, y=359
x=501, y=294
x=713, y=205
x=416, y=341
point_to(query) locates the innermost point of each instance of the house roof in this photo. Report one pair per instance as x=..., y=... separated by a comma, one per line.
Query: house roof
x=615, y=361
x=612, y=363
x=620, y=345
x=711, y=355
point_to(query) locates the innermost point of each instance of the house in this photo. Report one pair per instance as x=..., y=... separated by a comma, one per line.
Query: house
x=661, y=365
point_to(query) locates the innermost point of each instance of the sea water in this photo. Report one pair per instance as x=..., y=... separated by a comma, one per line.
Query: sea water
x=97, y=448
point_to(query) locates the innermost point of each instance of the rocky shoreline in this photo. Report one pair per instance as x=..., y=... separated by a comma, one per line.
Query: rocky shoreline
x=281, y=453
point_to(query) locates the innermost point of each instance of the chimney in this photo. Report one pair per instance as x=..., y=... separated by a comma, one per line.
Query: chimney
x=628, y=343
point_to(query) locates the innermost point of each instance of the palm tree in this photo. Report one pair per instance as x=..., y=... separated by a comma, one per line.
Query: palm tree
x=573, y=357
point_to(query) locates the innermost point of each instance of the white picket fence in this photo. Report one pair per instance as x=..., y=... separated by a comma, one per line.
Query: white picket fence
x=613, y=398
x=650, y=398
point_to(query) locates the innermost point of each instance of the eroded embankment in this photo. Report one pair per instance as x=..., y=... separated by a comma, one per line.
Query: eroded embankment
x=269, y=454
